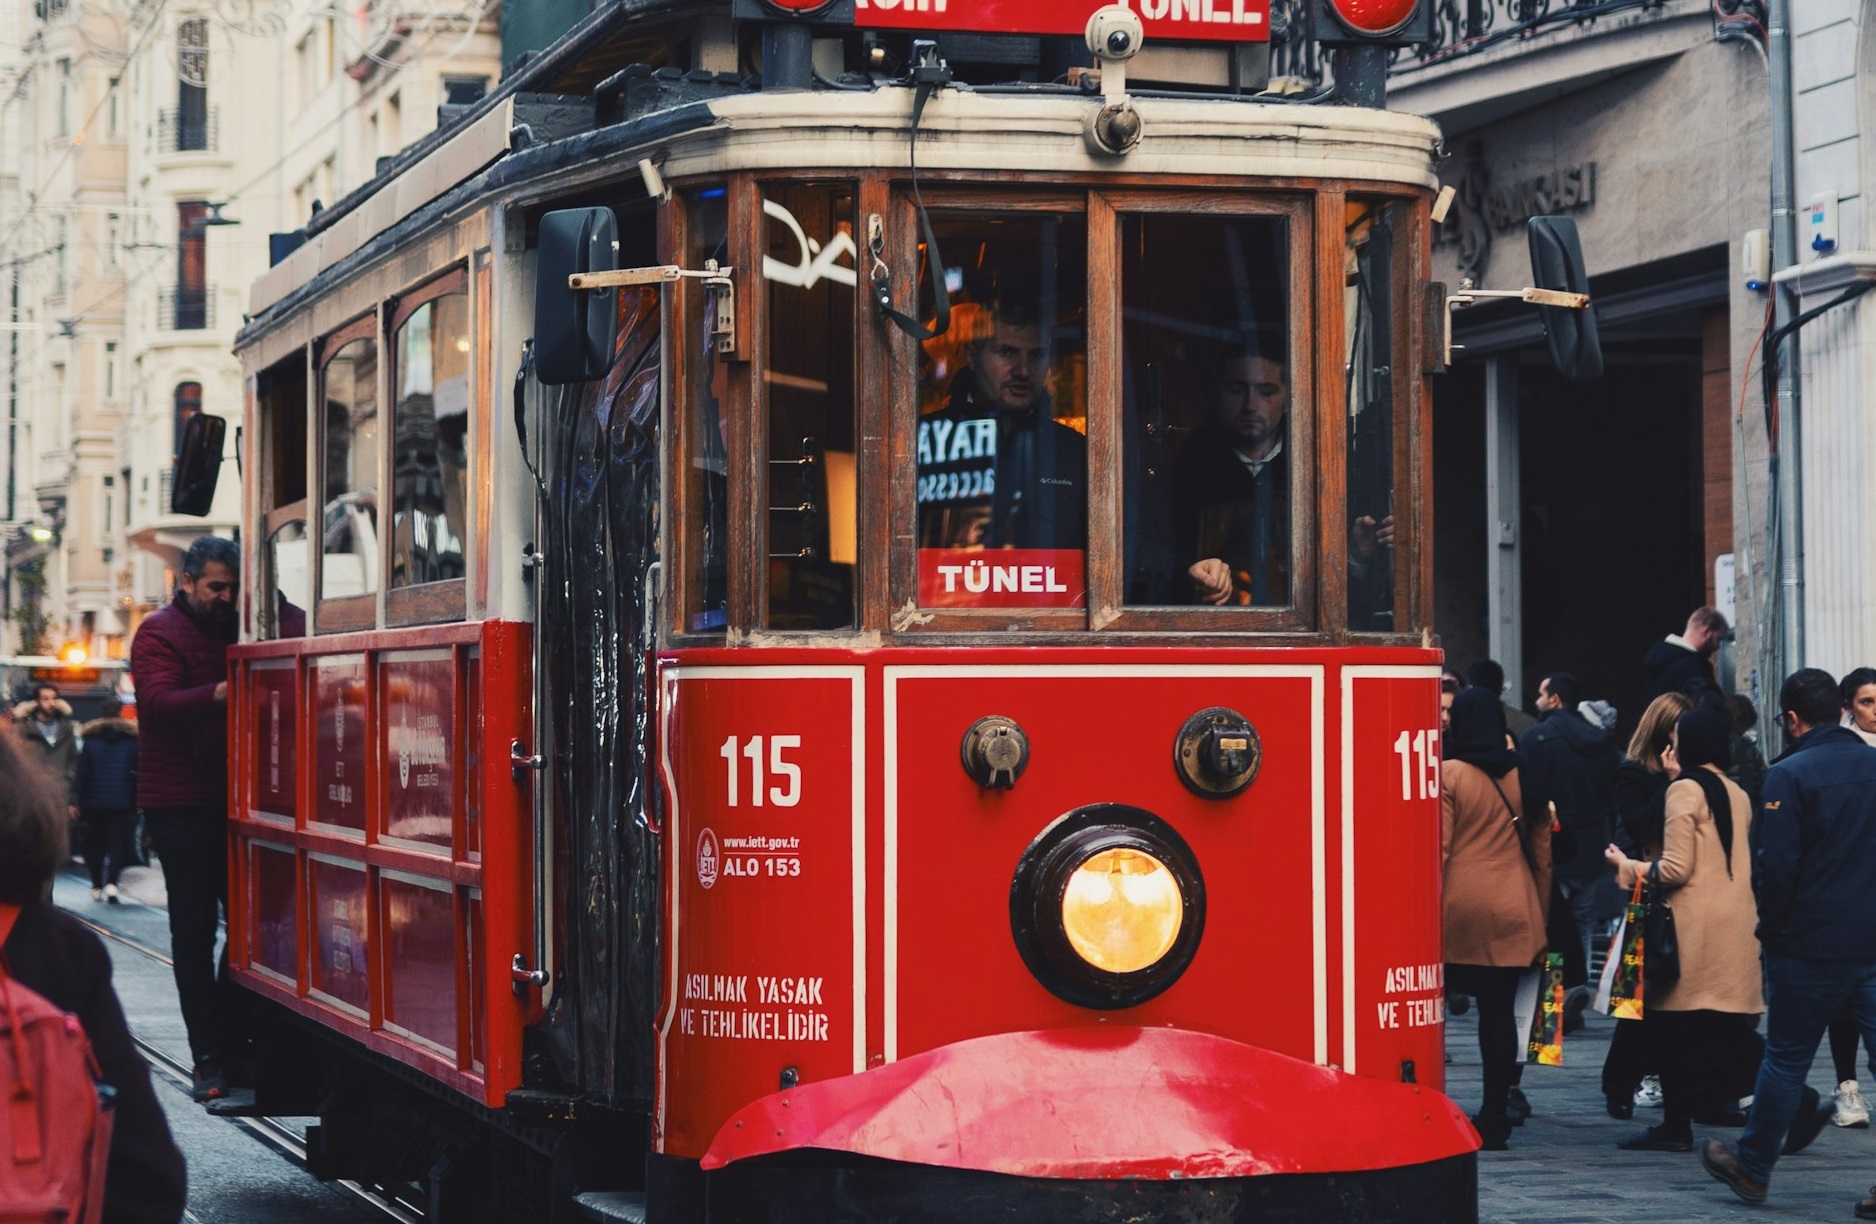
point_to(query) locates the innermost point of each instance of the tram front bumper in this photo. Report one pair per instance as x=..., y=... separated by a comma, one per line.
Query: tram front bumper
x=1105, y=1103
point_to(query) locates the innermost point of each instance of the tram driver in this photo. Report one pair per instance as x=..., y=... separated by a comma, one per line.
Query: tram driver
x=995, y=468
x=1232, y=490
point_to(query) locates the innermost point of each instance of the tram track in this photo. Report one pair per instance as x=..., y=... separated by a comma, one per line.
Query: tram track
x=278, y=1136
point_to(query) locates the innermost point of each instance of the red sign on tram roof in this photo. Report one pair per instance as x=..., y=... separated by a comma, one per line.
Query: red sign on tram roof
x=1165, y=20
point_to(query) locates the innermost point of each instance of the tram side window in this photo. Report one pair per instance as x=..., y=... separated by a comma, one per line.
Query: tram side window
x=1207, y=442
x=808, y=270
x=704, y=489
x=280, y=394
x=349, y=516
x=1369, y=234
x=1002, y=451
x=430, y=431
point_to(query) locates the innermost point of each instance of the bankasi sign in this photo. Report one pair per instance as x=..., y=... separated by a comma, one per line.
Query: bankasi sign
x=1166, y=20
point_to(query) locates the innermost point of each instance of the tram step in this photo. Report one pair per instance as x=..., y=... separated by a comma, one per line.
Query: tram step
x=627, y=1205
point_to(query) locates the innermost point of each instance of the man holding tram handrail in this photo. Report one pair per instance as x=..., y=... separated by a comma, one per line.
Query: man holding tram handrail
x=995, y=468
x=179, y=658
x=1233, y=492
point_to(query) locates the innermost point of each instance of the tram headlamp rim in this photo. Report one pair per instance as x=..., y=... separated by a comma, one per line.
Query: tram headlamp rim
x=1040, y=884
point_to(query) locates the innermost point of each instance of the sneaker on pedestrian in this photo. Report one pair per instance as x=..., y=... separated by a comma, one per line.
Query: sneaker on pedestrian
x=1648, y=1096
x=97, y=894
x=1718, y=1160
x=110, y=893
x=1807, y=1124
x=1851, y=1109
x=1866, y=1207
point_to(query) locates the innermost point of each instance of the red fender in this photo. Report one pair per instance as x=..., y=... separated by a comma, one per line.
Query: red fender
x=1106, y=1102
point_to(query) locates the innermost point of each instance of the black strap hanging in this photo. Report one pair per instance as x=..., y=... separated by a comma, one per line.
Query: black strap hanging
x=928, y=80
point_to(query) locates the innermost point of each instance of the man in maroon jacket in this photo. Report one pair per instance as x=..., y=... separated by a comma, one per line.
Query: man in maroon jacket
x=179, y=659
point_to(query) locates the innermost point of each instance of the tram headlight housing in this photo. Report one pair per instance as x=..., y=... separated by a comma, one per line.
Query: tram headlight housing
x=1107, y=906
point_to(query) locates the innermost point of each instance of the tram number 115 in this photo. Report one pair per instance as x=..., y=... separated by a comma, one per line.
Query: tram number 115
x=778, y=765
x=1419, y=754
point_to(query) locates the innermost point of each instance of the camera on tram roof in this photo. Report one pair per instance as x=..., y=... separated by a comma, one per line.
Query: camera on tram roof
x=1114, y=33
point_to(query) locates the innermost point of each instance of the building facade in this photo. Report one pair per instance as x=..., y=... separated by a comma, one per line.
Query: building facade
x=152, y=152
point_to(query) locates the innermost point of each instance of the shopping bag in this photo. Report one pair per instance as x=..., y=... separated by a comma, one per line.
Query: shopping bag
x=1544, y=1034
x=1619, y=993
x=1524, y=1008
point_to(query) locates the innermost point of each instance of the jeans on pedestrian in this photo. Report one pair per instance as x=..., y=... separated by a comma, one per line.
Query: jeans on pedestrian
x=1800, y=998
x=1581, y=896
x=192, y=843
x=107, y=841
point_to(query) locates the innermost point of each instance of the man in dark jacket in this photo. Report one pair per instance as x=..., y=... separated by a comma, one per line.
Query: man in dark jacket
x=179, y=658
x=1570, y=761
x=1815, y=873
x=105, y=790
x=1683, y=662
x=46, y=723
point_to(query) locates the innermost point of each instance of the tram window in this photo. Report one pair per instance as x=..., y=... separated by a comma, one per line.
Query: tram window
x=287, y=581
x=705, y=487
x=808, y=269
x=280, y=392
x=1207, y=449
x=1002, y=451
x=349, y=518
x=1370, y=231
x=430, y=432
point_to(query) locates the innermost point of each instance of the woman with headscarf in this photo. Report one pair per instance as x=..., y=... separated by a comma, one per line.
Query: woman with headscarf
x=1497, y=871
x=1702, y=1026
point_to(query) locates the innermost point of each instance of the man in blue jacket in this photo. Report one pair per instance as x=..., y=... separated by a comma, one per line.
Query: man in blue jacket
x=1816, y=877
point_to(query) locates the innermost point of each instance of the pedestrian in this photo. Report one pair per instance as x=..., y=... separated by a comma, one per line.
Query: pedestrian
x=1683, y=662
x=105, y=789
x=1704, y=1024
x=1816, y=876
x=1638, y=794
x=1568, y=764
x=1858, y=690
x=1496, y=871
x=1488, y=675
x=58, y=956
x=46, y=723
x=179, y=658
x=1748, y=768
x=1448, y=691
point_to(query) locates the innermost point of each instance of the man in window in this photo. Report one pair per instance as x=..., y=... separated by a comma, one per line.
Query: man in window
x=995, y=468
x=1231, y=487
x=1231, y=493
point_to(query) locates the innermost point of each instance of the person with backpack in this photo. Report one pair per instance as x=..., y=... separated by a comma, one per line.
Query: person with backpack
x=51, y=963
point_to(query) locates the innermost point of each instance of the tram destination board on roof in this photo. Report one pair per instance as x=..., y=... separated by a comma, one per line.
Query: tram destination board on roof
x=787, y=599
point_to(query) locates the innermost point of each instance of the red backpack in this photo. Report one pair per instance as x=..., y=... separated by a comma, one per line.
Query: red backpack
x=55, y=1132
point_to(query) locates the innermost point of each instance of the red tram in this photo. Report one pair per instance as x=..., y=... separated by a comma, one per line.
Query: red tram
x=818, y=732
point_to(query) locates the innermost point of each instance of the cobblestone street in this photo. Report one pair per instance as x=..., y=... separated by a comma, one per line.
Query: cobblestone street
x=1564, y=1168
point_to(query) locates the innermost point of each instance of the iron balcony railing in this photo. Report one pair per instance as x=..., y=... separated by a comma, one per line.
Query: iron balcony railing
x=1460, y=28
x=191, y=130
x=185, y=307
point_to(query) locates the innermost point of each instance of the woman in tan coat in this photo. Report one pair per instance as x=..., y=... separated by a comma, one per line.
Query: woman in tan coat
x=1701, y=1026
x=1497, y=873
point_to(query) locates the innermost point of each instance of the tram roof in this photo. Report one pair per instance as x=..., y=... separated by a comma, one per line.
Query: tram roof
x=495, y=151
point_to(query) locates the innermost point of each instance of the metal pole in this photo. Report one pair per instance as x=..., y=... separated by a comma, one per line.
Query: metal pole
x=1504, y=563
x=1787, y=464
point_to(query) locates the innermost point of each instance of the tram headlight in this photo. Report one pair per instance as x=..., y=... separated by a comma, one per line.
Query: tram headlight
x=1107, y=906
x=1121, y=910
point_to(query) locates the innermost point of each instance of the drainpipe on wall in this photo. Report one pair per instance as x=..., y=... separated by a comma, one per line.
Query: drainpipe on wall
x=1785, y=464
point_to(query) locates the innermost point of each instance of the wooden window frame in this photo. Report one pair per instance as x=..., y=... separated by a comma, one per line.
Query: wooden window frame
x=422, y=603
x=351, y=612
x=1106, y=492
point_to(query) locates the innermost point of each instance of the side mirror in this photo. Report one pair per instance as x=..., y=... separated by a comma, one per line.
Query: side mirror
x=198, y=465
x=1557, y=264
x=573, y=331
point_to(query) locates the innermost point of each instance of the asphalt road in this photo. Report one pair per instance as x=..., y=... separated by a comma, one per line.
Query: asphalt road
x=234, y=1177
